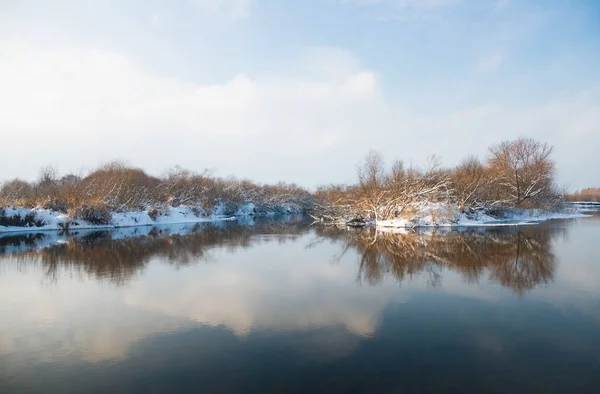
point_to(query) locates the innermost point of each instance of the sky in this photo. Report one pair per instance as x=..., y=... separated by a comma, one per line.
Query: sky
x=295, y=90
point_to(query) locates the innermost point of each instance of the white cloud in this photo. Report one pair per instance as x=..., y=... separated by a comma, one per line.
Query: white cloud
x=76, y=108
x=75, y=104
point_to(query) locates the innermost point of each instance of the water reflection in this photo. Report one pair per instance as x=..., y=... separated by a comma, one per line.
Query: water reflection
x=117, y=256
x=519, y=258
x=277, y=306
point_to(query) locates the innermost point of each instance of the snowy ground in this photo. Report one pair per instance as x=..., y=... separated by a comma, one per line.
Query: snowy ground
x=445, y=215
x=585, y=206
x=51, y=220
x=421, y=215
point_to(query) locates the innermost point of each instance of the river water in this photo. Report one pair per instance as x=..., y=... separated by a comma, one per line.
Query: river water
x=283, y=306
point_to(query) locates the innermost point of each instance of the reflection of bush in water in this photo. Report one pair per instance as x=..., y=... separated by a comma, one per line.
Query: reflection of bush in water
x=519, y=258
x=98, y=255
x=19, y=240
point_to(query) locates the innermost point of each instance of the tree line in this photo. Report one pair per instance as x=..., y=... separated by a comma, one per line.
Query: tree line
x=516, y=174
x=590, y=194
x=117, y=187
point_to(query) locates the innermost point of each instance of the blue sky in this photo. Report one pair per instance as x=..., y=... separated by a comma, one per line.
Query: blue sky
x=295, y=90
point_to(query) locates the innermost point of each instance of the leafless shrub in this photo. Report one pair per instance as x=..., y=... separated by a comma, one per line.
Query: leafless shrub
x=55, y=205
x=94, y=214
x=382, y=194
x=518, y=174
x=119, y=187
x=472, y=184
x=17, y=191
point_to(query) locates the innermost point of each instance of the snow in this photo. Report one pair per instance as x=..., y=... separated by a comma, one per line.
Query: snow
x=247, y=209
x=52, y=220
x=425, y=214
x=585, y=206
x=446, y=215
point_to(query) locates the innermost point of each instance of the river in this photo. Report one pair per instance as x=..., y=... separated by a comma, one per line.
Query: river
x=281, y=306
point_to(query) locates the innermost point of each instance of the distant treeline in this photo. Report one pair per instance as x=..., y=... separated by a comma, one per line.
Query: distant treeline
x=590, y=194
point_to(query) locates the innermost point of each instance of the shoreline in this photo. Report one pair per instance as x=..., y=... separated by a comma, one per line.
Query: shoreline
x=444, y=215
x=28, y=230
x=520, y=221
x=58, y=221
x=428, y=217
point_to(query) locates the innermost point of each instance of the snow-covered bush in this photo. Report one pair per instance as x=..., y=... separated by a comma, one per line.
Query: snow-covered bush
x=118, y=188
x=55, y=205
x=19, y=219
x=94, y=214
x=517, y=175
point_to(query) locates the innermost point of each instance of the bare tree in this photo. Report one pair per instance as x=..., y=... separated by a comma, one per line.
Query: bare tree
x=16, y=190
x=371, y=179
x=47, y=183
x=371, y=173
x=524, y=169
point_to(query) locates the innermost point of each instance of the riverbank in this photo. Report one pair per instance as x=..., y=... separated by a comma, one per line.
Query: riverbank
x=14, y=219
x=447, y=215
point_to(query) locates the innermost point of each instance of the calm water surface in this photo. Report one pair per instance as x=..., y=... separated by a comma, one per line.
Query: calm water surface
x=277, y=307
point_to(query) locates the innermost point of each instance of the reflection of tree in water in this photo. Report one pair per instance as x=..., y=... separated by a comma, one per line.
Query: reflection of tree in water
x=98, y=254
x=518, y=258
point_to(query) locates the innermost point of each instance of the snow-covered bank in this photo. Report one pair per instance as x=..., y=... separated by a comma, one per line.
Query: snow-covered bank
x=596, y=203
x=585, y=206
x=445, y=215
x=40, y=219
